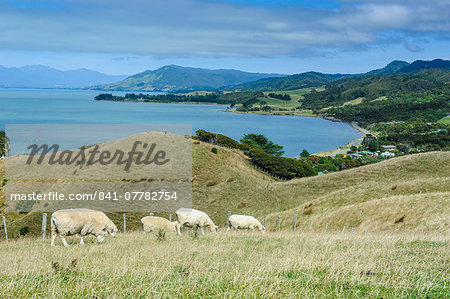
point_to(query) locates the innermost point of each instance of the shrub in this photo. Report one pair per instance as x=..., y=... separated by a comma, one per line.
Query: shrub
x=161, y=236
x=287, y=168
x=24, y=230
x=308, y=210
x=219, y=139
x=241, y=204
x=400, y=219
x=214, y=150
x=211, y=183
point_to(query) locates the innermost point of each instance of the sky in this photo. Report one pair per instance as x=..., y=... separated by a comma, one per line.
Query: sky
x=274, y=36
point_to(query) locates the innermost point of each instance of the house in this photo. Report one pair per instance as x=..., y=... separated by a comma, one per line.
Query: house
x=366, y=153
x=354, y=156
x=389, y=147
x=387, y=154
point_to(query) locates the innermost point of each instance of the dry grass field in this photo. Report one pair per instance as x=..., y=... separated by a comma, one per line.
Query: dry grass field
x=399, y=210
x=233, y=265
x=367, y=198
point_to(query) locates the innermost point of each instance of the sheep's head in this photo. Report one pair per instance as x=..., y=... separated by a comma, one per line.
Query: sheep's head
x=213, y=228
x=111, y=229
x=262, y=229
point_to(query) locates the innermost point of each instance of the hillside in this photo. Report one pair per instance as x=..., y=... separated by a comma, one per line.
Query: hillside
x=367, y=198
x=336, y=93
x=392, y=67
x=39, y=76
x=313, y=79
x=298, y=81
x=176, y=78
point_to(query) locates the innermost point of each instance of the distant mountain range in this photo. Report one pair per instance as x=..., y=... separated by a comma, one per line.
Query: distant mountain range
x=177, y=78
x=172, y=78
x=310, y=79
x=40, y=76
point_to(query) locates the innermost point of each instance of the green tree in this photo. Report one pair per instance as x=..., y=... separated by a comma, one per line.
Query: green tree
x=2, y=143
x=262, y=142
x=304, y=153
x=373, y=145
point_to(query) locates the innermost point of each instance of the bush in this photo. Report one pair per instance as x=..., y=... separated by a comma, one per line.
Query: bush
x=24, y=230
x=214, y=150
x=211, y=183
x=241, y=204
x=219, y=139
x=286, y=168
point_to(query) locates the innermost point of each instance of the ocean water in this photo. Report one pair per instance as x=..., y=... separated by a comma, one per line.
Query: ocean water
x=46, y=106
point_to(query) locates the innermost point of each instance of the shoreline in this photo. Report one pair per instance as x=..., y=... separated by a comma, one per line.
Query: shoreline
x=332, y=152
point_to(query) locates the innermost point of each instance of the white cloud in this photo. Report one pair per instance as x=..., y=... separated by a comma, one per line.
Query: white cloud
x=412, y=47
x=201, y=28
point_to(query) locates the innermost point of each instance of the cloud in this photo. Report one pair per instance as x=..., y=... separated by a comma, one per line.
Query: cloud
x=412, y=47
x=180, y=28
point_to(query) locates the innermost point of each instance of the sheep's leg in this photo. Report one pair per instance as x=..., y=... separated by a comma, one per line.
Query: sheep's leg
x=228, y=228
x=179, y=229
x=64, y=242
x=82, y=240
x=203, y=233
x=53, y=239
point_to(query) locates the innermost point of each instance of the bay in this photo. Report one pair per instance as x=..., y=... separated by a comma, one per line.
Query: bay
x=48, y=106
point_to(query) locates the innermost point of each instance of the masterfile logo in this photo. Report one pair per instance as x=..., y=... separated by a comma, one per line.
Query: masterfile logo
x=131, y=168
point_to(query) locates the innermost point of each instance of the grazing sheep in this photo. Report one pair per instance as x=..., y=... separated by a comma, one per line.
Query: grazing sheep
x=156, y=224
x=245, y=222
x=81, y=222
x=194, y=218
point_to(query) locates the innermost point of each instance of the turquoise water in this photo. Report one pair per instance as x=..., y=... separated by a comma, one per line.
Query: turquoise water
x=30, y=106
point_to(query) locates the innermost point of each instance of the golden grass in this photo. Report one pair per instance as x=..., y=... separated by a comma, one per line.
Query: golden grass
x=233, y=265
x=421, y=182
x=354, y=102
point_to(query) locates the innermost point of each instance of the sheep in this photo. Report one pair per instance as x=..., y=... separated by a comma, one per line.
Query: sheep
x=244, y=222
x=155, y=224
x=81, y=222
x=194, y=218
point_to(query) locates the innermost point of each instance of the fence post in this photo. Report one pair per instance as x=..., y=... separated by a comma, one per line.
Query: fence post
x=228, y=218
x=352, y=230
x=4, y=227
x=264, y=221
x=44, y=225
x=326, y=226
x=170, y=217
x=294, y=222
x=125, y=223
x=279, y=220
x=151, y=214
x=310, y=225
x=343, y=230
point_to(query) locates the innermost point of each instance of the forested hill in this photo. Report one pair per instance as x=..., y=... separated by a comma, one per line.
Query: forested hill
x=376, y=89
x=308, y=79
x=409, y=110
x=312, y=79
x=173, y=78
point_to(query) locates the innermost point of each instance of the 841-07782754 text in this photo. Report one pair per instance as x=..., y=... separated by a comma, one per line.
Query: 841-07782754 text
x=98, y=195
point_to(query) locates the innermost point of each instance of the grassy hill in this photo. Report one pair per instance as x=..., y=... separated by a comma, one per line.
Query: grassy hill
x=176, y=78
x=367, y=198
x=314, y=79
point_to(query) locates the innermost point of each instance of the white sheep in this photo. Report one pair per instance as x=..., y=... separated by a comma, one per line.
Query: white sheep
x=81, y=222
x=194, y=218
x=245, y=222
x=156, y=224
